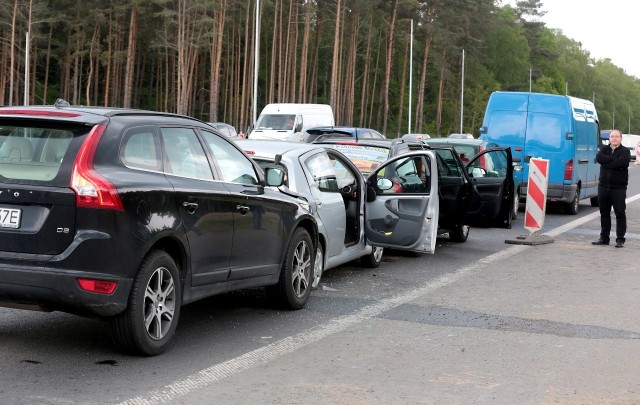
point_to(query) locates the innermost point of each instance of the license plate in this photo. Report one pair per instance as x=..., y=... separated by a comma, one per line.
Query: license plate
x=9, y=218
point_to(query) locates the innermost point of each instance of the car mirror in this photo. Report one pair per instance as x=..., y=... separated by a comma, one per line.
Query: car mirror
x=483, y=130
x=274, y=176
x=477, y=172
x=384, y=184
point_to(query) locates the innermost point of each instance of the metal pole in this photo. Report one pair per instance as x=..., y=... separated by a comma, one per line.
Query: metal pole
x=410, y=76
x=256, y=63
x=462, y=96
x=530, y=74
x=629, y=119
x=26, y=71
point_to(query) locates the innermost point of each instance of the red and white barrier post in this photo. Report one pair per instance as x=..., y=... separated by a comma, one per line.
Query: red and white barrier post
x=536, y=204
x=637, y=163
x=536, y=194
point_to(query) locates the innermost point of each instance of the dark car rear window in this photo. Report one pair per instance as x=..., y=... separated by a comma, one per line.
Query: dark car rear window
x=34, y=153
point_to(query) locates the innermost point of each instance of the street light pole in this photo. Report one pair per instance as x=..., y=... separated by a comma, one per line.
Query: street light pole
x=256, y=63
x=410, y=74
x=462, y=96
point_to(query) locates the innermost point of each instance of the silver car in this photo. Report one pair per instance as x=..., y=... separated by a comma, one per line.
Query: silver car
x=334, y=189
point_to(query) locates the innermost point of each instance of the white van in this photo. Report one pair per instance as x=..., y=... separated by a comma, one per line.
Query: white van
x=288, y=121
x=630, y=142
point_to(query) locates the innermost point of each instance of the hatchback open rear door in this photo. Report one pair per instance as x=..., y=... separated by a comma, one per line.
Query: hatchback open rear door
x=402, y=205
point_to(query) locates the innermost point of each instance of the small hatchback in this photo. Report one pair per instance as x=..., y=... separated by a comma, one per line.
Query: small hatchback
x=127, y=215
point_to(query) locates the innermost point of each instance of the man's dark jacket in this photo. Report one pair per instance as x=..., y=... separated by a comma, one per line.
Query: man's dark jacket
x=614, y=166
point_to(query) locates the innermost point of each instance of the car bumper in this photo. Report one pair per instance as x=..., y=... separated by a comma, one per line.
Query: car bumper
x=40, y=288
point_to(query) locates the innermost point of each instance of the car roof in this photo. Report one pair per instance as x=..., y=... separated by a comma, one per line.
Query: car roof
x=84, y=114
x=457, y=141
x=270, y=148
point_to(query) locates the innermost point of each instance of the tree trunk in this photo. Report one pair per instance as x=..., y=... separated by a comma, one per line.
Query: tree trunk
x=216, y=60
x=440, y=95
x=131, y=57
x=402, y=86
x=333, y=97
x=387, y=70
x=423, y=83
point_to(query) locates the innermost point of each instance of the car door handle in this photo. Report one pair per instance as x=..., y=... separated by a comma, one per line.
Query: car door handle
x=242, y=209
x=191, y=207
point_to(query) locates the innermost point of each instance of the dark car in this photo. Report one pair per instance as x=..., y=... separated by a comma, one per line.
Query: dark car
x=126, y=215
x=467, y=196
x=225, y=129
x=469, y=147
x=321, y=133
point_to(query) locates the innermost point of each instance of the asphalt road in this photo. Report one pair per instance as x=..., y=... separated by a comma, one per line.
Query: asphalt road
x=478, y=322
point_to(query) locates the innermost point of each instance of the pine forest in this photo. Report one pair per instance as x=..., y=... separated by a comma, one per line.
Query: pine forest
x=376, y=62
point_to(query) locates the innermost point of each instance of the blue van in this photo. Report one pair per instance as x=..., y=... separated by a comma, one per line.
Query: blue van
x=562, y=129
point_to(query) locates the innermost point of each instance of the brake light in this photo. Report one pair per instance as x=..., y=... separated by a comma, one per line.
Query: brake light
x=63, y=114
x=249, y=152
x=568, y=170
x=93, y=190
x=97, y=286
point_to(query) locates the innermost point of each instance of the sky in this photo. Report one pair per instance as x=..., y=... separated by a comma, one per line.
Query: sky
x=607, y=29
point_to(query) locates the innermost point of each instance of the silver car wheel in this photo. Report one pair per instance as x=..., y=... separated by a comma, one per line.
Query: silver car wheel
x=318, y=268
x=301, y=269
x=159, y=303
x=377, y=253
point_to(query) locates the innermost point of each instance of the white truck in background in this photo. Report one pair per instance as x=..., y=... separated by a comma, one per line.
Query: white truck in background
x=288, y=121
x=630, y=142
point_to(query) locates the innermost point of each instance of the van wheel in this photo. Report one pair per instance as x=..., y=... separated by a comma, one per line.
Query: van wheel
x=573, y=207
x=294, y=286
x=373, y=259
x=459, y=234
x=148, y=325
x=594, y=201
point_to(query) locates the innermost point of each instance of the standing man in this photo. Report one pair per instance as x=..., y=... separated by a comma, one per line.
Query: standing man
x=612, y=188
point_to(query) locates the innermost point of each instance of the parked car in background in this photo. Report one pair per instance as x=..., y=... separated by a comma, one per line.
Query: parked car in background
x=466, y=196
x=127, y=215
x=335, y=190
x=415, y=137
x=461, y=136
x=467, y=148
x=320, y=133
x=225, y=129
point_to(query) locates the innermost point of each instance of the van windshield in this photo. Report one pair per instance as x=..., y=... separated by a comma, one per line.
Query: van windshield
x=276, y=121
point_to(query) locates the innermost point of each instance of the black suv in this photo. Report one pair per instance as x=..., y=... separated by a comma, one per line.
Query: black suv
x=128, y=214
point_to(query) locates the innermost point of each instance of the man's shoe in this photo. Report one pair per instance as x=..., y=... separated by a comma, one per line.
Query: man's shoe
x=619, y=244
x=600, y=242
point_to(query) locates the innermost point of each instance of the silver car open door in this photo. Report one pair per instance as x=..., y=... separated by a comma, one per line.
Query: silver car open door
x=402, y=203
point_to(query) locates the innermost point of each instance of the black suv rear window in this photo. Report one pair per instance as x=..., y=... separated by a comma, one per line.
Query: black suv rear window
x=33, y=153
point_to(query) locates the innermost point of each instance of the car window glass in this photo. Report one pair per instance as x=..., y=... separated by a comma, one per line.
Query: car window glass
x=366, y=158
x=140, y=149
x=33, y=153
x=233, y=165
x=185, y=155
x=448, y=165
x=343, y=174
x=410, y=175
x=324, y=175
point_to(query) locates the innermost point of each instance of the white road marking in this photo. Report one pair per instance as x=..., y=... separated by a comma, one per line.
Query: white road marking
x=291, y=344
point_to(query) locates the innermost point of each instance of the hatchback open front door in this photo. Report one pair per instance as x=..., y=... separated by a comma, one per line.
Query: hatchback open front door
x=402, y=205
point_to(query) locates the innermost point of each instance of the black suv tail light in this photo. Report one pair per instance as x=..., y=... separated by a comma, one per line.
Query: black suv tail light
x=93, y=190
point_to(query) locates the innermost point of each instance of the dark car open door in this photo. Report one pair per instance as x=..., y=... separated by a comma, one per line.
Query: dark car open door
x=491, y=173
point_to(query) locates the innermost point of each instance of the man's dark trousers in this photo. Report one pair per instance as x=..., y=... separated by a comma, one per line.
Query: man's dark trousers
x=607, y=198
